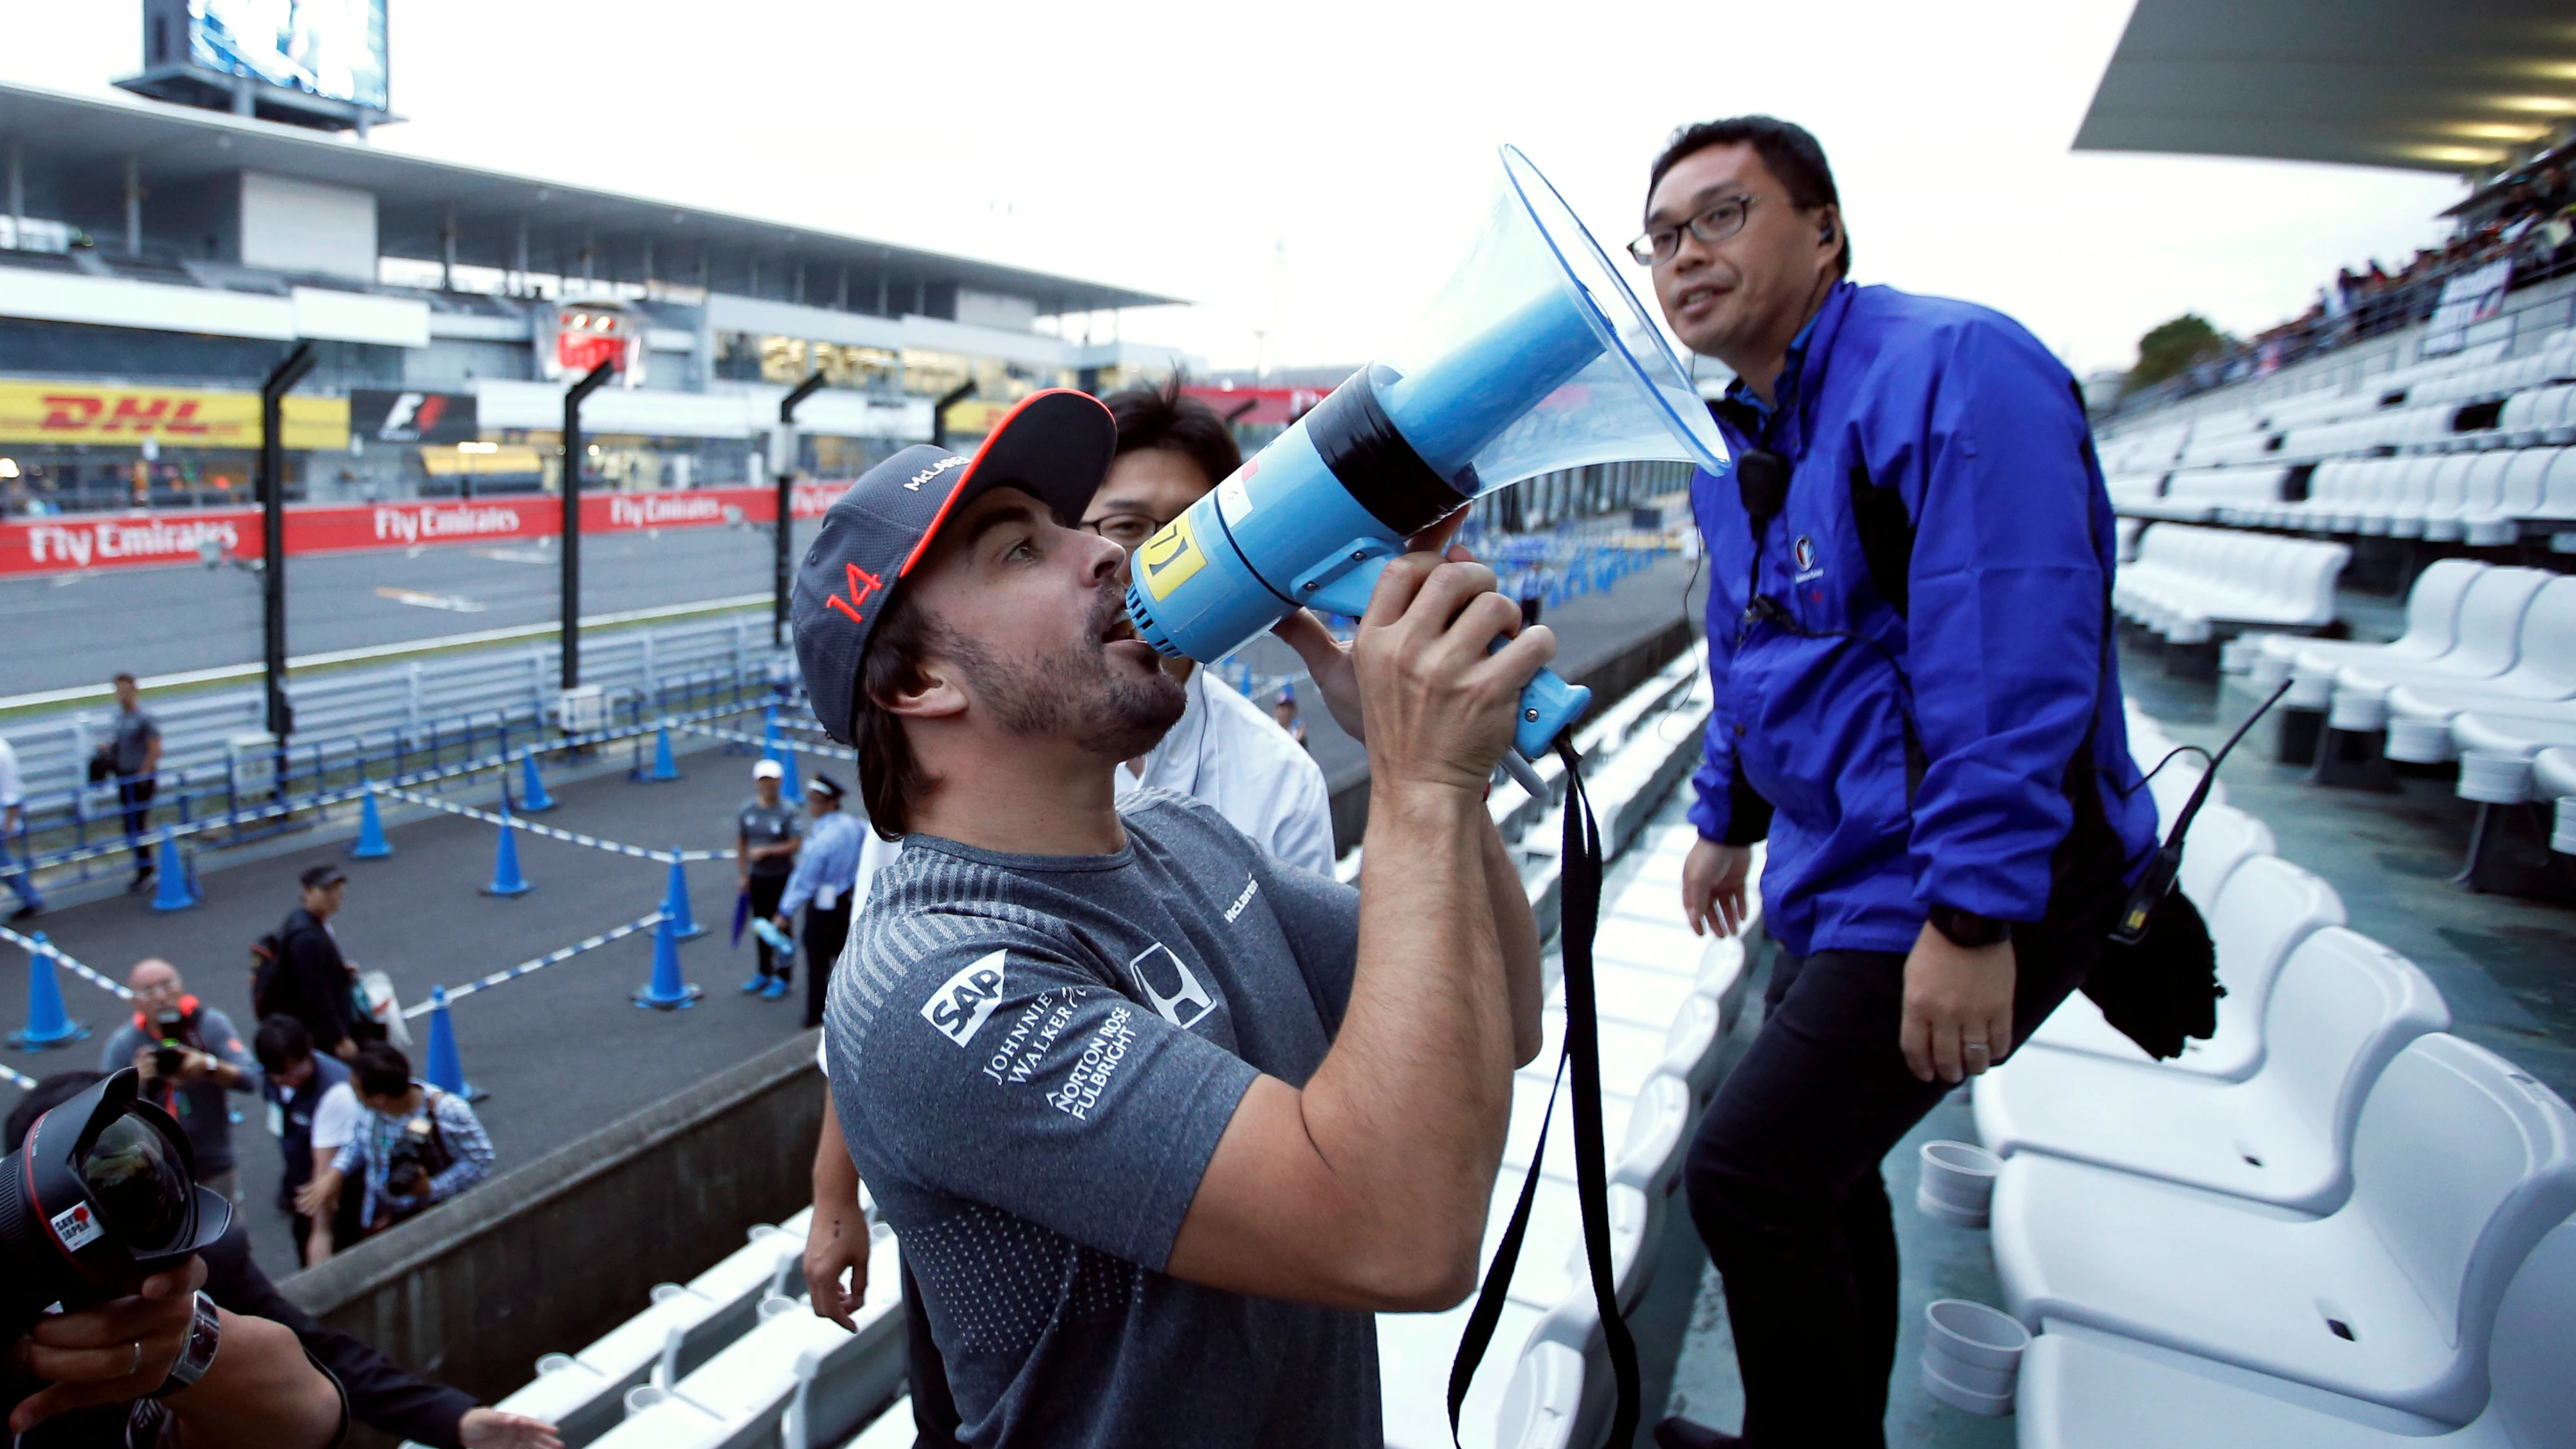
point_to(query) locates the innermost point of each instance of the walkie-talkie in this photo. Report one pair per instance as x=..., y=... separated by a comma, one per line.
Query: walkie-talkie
x=2139, y=912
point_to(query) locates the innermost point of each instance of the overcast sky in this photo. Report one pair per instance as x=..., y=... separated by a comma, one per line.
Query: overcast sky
x=1187, y=149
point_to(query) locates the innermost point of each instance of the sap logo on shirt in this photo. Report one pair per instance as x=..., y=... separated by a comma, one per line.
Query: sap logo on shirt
x=1187, y=1002
x=965, y=1001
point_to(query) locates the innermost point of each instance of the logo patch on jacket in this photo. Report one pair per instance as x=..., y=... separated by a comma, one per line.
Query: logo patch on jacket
x=1804, y=552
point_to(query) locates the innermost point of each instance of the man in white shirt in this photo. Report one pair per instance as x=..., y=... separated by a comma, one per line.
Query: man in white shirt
x=1226, y=751
x=13, y=821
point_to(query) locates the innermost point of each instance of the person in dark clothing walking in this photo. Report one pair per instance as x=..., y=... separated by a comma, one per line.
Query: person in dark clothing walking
x=768, y=831
x=311, y=981
x=133, y=761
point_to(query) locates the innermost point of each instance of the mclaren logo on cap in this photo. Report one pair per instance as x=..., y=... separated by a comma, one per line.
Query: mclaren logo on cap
x=862, y=584
x=934, y=470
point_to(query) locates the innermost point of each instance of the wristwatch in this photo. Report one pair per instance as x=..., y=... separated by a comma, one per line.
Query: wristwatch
x=1967, y=928
x=205, y=1331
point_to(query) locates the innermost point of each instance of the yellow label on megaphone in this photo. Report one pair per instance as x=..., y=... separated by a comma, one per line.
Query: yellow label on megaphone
x=1168, y=559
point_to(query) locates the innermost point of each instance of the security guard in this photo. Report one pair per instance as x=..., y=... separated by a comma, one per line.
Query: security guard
x=1916, y=703
x=825, y=886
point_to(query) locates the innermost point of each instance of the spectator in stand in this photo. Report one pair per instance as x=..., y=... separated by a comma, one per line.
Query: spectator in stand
x=1283, y=712
x=133, y=760
x=13, y=826
x=379, y=1393
x=310, y=980
x=823, y=885
x=1226, y=751
x=312, y=1112
x=767, y=834
x=190, y=1058
x=416, y=1147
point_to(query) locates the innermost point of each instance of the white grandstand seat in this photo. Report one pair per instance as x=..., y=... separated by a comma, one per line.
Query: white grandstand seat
x=2490, y=622
x=2343, y=1006
x=892, y=1429
x=2082, y=1389
x=2432, y=628
x=2172, y=786
x=2221, y=839
x=1414, y=1353
x=2521, y=736
x=2265, y=908
x=2473, y=487
x=2541, y=684
x=1542, y=1401
x=2520, y=490
x=2461, y=1163
x=582, y=1394
x=2399, y=512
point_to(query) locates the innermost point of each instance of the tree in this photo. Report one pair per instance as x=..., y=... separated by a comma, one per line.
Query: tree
x=2173, y=347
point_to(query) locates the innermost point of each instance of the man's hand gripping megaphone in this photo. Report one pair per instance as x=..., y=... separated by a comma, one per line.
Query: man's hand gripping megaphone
x=1431, y=681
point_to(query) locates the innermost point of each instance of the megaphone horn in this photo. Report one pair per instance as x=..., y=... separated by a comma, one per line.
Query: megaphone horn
x=1535, y=357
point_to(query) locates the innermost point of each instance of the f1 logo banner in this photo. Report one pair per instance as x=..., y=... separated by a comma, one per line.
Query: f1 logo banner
x=413, y=417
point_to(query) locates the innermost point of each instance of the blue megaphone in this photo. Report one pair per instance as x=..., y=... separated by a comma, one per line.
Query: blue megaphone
x=1535, y=357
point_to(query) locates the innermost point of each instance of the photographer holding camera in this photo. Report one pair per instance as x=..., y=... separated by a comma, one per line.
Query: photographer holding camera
x=417, y=1147
x=191, y=1059
x=161, y=1365
x=1161, y=1119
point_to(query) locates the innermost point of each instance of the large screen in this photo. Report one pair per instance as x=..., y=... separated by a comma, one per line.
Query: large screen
x=330, y=48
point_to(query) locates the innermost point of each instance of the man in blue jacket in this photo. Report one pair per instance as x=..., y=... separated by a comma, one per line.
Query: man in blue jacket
x=1916, y=705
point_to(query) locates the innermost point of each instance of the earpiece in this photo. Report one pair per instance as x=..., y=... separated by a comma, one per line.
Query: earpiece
x=1825, y=234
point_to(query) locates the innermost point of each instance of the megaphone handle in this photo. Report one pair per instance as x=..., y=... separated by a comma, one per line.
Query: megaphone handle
x=1549, y=705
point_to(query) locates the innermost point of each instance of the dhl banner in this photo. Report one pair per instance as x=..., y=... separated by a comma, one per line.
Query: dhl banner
x=82, y=412
x=77, y=542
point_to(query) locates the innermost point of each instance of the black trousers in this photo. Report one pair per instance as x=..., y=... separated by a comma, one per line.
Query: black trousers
x=825, y=933
x=765, y=893
x=136, y=798
x=1785, y=1189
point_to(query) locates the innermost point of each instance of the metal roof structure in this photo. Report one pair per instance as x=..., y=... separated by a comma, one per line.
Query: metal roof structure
x=2456, y=86
x=85, y=144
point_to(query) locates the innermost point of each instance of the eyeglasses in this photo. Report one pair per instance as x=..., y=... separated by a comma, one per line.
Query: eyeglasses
x=1721, y=220
x=1127, y=530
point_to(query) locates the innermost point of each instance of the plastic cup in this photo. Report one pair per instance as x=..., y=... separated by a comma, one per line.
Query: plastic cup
x=1992, y=1406
x=1972, y=1355
x=1957, y=1183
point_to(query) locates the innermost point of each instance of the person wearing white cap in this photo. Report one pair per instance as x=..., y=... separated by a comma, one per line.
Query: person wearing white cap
x=767, y=834
x=822, y=886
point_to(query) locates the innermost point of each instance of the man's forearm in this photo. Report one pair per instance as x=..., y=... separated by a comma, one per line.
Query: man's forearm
x=1516, y=937
x=261, y=1392
x=1411, y=1105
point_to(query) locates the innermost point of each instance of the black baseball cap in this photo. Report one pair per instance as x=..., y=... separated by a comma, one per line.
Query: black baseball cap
x=1055, y=445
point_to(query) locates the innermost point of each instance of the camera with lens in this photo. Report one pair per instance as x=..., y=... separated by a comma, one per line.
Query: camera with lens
x=419, y=1155
x=102, y=1195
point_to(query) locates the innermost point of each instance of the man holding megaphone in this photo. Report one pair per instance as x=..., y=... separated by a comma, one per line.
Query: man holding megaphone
x=1159, y=1119
x=1916, y=702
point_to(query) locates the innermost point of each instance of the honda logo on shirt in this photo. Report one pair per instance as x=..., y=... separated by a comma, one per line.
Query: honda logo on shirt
x=1168, y=986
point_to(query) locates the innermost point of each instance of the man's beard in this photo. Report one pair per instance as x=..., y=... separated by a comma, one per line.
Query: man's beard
x=1071, y=693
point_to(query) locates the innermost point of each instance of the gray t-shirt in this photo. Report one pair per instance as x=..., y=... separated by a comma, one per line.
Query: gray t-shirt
x=760, y=824
x=135, y=733
x=1033, y=1058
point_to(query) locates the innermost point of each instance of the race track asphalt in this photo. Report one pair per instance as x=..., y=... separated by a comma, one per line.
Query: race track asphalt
x=74, y=629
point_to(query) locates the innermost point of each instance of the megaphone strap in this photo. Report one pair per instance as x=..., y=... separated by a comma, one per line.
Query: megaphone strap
x=1369, y=454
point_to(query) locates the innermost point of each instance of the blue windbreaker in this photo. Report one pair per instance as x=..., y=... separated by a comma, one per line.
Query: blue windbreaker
x=1999, y=656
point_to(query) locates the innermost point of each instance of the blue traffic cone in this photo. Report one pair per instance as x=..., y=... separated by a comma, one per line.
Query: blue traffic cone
x=445, y=1070
x=663, y=769
x=48, y=1025
x=666, y=991
x=506, y=880
x=675, y=903
x=770, y=731
x=372, y=844
x=790, y=789
x=532, y=792
x=178, y=885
